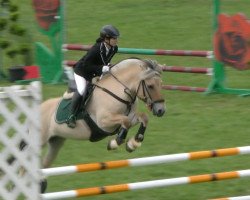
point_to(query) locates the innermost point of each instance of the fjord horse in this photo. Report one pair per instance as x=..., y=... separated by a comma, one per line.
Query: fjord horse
x=111, y=106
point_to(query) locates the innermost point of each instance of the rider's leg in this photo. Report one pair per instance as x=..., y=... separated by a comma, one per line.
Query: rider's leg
x=81, y=84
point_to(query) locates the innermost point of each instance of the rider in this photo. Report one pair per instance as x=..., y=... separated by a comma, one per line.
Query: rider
x=94, y=63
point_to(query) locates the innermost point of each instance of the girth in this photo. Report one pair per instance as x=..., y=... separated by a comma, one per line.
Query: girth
x=96, y=133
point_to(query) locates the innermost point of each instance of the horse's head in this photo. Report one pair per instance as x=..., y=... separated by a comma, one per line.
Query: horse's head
x=150, y=87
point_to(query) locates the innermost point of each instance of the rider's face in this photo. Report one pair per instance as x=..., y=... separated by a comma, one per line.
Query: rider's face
x=112, y=41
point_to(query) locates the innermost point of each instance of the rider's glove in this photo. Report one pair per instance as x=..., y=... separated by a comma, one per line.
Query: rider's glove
x=105, y=69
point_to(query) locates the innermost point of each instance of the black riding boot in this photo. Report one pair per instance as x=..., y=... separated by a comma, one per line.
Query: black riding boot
x=75, y=104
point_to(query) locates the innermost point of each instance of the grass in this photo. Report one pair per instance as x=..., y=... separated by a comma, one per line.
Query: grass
x=194, y=121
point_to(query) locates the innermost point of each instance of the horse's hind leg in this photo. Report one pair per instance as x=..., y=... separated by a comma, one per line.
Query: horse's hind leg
x=54, y=145
x=136, y=141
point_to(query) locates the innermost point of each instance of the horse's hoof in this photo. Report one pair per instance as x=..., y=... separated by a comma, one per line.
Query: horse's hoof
x=132, y=144
x=112, y=145
x=128, y=148
x=43, y=185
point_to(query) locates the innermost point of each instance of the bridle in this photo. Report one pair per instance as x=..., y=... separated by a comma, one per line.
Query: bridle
x=146, y=94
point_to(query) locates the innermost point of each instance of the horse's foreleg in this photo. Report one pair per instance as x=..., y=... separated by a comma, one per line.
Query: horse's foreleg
x=136, y=141
x=120, y=139
x=54, y=145
x=121, y=136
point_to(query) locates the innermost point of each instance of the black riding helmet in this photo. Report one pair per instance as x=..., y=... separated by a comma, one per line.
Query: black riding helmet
x=109, y=31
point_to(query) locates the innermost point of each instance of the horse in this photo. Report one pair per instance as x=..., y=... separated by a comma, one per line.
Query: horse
x=111, y=108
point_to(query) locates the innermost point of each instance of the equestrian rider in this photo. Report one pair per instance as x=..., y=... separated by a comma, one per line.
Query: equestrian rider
x=93, y=64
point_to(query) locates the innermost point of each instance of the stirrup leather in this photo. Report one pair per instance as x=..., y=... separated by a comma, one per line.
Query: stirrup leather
x=71, y=122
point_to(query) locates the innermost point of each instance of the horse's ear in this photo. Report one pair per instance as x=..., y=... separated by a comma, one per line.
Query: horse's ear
x=153, y=64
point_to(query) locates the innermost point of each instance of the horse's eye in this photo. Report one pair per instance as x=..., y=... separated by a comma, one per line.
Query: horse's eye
x=150, y=87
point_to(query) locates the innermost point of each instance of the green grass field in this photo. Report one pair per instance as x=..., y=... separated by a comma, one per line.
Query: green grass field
x=194, y=121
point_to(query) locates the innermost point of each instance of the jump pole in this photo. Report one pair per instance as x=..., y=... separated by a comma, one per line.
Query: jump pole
x=153, y=160
x=146, y=185
x=195, y=53
x=234, y=198
x=196, y=70
x=184, y=88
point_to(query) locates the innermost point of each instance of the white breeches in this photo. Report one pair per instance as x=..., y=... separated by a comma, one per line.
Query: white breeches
x=81, y=84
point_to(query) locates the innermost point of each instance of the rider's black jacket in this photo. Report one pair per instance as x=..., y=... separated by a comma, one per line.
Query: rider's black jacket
x=90, y=65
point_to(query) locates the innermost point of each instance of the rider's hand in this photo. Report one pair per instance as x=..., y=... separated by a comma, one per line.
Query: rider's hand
x=105, y=69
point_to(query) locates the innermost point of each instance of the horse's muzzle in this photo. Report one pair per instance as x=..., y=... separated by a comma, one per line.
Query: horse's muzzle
x=158, y=108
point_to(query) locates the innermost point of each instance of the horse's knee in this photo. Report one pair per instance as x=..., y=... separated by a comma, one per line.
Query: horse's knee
x=143, y=118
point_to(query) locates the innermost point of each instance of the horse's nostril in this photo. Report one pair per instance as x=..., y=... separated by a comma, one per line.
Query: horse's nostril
x=161, y=112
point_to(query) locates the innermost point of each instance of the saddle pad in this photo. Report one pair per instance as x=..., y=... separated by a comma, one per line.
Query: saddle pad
x=63, y=111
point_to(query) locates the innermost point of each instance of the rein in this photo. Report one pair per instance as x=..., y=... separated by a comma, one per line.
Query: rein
x=126, y=90
x=115, y=96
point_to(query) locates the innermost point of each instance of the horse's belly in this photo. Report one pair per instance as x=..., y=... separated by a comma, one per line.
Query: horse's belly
x=80, y=132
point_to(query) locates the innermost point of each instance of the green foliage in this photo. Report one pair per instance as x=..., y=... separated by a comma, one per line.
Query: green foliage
x=24, y=49
x=13, y=7
x=4, y=2
x=12, y=52
x=3, y=24
x=16, y=29
x=4, y=43
x=14, y=16
x=13, y=33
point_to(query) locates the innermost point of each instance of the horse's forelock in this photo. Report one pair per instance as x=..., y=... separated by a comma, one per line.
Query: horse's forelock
x=152, y=69
x=149, y=73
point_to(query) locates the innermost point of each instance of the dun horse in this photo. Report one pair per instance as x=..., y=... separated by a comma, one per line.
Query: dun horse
x=111, y=108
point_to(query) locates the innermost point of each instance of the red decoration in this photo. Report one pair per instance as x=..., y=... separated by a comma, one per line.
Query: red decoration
x=46, y=12
x=232, y=41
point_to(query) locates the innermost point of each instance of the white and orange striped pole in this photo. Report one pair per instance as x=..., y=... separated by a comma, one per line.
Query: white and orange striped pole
x=145, y=185
x=234, y=198
x=145, y=161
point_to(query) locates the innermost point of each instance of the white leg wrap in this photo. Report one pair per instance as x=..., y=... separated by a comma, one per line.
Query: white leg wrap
x=132, y=144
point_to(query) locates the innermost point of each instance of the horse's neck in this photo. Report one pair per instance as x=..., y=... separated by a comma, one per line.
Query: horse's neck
x=129, y=76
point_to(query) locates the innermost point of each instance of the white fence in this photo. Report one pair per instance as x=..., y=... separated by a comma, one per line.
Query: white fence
x=20, y=124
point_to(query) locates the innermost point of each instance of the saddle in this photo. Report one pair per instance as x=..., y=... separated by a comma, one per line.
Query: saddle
x=63, y=112
x=63, y=109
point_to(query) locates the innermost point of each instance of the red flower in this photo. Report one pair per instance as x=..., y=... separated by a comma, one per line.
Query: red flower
x=231, y=41
x=46, y=11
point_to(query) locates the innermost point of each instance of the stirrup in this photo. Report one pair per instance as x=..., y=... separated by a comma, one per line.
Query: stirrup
x=71, y=122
